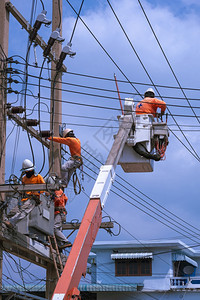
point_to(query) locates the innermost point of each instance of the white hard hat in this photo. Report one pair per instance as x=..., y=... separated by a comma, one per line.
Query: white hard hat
x=150, y=90
x=27, y=165
x=66, y=131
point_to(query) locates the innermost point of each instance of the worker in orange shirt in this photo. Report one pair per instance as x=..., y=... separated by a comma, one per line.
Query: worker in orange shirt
x=60, y=200
x=150, y=104
x=32, y=198
x=75, y=161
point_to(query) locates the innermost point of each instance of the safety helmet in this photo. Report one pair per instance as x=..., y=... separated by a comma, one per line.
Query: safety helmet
x=66, y=131
x=150, y=91
x=27, y=165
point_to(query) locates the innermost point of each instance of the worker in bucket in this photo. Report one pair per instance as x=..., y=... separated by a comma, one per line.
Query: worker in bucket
x=75, y=161
x=60, y=200
x=31, y=199
x=150, y=104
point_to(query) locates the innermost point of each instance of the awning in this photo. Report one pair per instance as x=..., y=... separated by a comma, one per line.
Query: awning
x=131, y=255
x=182, y=257
x=110, y=287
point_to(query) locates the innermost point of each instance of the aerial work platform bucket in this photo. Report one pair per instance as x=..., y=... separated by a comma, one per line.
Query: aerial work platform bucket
x=130, y=161
x=144, y=143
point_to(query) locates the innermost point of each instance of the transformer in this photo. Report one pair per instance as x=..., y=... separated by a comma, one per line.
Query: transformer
x=39, y=223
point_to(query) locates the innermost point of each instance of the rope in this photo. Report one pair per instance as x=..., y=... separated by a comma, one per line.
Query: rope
x=76, y=183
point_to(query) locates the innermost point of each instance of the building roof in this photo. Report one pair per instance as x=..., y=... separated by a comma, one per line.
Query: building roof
x=110, y=287
x=146, y=246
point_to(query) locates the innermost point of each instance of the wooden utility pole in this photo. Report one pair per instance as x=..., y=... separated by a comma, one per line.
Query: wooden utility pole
x=56, y=93
x=56, y=120
x=4, y=20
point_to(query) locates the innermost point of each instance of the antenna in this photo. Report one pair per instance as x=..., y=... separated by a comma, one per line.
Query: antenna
x=119, y=94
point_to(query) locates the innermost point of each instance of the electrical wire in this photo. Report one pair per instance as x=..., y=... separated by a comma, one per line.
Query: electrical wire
x=120, y=80
x=113, y=127
x=167, y=60
x=95, y=106
x=146, y=248
x=39, y=118
x=162, y=252
x=4, y=145
x=109, y=90
x=125, y=193
x=25, y=87
x=42, y=5
x=105, y=107
x=101, y=119
x=103, y=48
x=148, y=75
x=76, y=21
x=53, y=89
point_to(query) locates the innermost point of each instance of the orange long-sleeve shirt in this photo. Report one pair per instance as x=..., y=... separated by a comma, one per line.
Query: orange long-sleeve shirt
x=34, y=179
x=73, y=143
x=60, y=200
x=150, y=106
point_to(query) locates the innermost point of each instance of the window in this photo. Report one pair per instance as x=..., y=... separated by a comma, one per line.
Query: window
x=133, y=267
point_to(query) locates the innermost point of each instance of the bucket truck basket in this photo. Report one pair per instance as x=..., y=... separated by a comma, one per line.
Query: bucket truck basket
x=147, y=141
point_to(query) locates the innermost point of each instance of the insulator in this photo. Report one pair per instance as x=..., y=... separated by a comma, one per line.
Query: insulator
x=45, y=133
x=17, y=110
x=31, y=122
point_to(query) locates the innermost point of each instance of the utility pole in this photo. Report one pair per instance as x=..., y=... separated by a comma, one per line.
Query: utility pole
x=56, y=92
x=56, y=119
x=4, y=17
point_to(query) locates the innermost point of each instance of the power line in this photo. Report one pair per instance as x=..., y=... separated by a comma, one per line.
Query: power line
x=101, y=96
x=107, y=90
x=167, y=60
x=173, y=215
x=196, y=154
x=112, y=80
x=103, y=48
x=112, y=127
x=78, y=15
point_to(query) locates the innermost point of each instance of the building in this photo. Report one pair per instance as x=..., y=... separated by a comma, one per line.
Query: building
x=158, y=269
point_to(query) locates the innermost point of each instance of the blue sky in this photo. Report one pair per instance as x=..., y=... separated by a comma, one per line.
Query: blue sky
x=175, y=181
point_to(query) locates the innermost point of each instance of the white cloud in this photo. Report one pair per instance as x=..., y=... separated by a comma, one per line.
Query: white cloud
x=178, y=37
x=191, y=2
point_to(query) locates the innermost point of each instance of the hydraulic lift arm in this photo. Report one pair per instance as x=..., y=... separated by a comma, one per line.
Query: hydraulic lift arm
x=67, y=286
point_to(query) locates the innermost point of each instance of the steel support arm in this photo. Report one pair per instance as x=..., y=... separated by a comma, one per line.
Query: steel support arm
x=9, y=188
x=75, y=226
x=29, y=129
